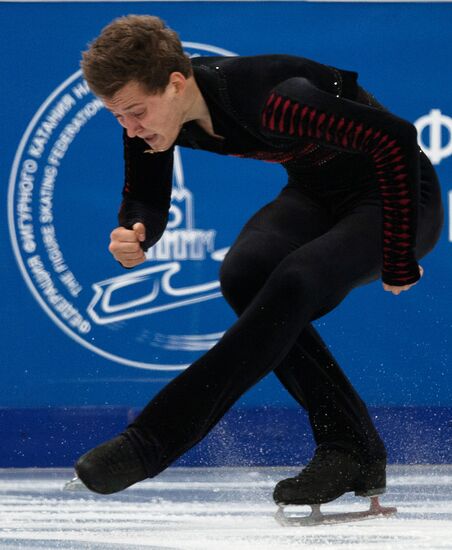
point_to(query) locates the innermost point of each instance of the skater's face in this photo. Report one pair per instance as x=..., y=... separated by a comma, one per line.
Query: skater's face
x=155, y=118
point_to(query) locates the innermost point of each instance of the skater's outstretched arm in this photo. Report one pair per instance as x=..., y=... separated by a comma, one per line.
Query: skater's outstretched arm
x=298, y=109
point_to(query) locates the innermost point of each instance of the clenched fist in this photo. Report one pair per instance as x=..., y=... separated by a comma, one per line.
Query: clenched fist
x=125, y=245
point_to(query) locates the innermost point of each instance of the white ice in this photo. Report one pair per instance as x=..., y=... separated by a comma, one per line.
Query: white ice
x=215, y=509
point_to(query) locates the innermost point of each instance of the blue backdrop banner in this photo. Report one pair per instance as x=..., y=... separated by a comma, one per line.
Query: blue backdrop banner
x=77, y=329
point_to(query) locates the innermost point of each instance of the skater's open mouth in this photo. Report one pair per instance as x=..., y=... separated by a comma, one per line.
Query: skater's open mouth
x=151, y=139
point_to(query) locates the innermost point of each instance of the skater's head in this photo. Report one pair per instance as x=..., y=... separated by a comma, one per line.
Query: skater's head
x=138, y=68
x=134, y=48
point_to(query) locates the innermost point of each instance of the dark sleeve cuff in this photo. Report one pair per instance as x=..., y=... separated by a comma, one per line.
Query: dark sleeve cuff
x=132, y=212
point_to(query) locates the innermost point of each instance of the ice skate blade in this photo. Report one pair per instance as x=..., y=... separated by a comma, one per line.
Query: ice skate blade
x=318, y=518
x=75, y=484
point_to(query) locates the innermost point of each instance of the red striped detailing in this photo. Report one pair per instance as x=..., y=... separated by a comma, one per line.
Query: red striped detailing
x=272, y=118
x=304, y=111
x=281, y=120
x=396, y=192
x=376, y=135
x=395, y=159
x=383, y=140
x=302, y=117
x=309, y=148
x=318, y=132
x=358, y=130
x=294, y=112
x=403, y=210
x=270, y=99
x=403, y=280
x=347, y=131
x=398, y=235
x=264, y=113
x=312, y=114
x=330, y=124
x=384, y=160
x=387, y=155
x=366, y=138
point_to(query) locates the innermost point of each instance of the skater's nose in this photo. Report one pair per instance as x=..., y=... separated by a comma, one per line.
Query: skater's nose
x=132, y=126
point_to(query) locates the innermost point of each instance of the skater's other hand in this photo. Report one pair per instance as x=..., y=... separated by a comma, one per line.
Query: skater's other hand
x=125, y=245
x=398, y=289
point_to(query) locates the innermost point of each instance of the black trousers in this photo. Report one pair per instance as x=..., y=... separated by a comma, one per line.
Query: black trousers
x=294, y=261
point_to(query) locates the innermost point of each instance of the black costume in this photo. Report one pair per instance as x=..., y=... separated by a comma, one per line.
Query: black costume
x=361, y=200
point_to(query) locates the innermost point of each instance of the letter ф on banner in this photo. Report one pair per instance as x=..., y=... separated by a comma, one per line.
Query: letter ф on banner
x=435, y=121
x=133, y=318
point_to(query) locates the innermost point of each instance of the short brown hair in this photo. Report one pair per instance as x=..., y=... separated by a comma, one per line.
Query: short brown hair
x=136, y=48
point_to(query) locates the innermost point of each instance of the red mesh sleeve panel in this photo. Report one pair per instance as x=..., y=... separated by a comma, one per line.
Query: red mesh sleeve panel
x=297, y=109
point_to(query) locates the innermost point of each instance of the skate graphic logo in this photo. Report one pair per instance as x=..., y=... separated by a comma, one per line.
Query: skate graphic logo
x=434, y=122
x=63, y=198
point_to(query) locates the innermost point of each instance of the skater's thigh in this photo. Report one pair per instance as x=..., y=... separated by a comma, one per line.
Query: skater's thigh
x=296, y=216
x=327, y=268
x=276, y=230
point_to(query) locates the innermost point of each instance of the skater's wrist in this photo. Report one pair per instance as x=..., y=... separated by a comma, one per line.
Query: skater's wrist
x=397, y=288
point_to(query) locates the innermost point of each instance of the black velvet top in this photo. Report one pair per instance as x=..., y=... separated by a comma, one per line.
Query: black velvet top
x=304, y=115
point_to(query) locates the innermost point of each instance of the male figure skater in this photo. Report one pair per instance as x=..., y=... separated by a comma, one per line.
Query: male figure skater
x=362, y=202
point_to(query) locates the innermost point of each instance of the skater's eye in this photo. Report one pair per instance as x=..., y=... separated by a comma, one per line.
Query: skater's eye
x=139, y=114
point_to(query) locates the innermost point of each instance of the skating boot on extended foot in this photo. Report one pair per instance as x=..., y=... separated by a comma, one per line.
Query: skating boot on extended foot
x=111, y=467
x=331, y=473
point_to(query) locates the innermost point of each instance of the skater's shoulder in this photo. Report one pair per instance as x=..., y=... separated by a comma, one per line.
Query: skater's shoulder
x=267, y=61
x=252, y=74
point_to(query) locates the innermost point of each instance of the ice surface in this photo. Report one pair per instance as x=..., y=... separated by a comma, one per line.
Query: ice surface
x=215, y=509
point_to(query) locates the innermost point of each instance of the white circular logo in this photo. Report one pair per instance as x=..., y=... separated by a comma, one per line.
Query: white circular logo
x=60, y=213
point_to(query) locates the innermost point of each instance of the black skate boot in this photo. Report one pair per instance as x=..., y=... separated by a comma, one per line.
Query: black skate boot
x=111, y=467
x=331, y=473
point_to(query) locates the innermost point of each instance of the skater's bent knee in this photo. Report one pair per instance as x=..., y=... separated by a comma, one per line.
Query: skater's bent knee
x=240, y=282
x=301, y=285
